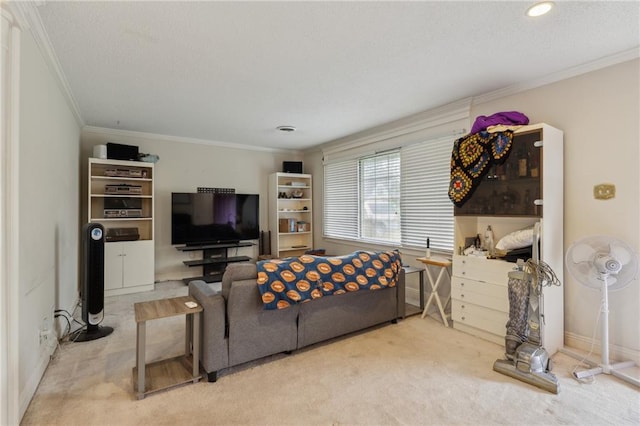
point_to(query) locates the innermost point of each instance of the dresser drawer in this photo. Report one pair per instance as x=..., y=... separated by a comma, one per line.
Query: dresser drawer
x=489, y=295
x=481, y=269
x=490, y=320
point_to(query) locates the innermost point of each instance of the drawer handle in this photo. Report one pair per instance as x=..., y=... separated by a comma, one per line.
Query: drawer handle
x=461, y=284
x=462, y=295
x=464, y=273
x=462, y=306
x=463, y=318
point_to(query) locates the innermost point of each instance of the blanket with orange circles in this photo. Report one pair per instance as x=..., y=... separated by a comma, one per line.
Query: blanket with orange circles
x=284, y=282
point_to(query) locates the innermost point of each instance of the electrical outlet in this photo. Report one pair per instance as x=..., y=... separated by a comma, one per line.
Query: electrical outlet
x=44, y=331
x=604, y=191
x=44, y=337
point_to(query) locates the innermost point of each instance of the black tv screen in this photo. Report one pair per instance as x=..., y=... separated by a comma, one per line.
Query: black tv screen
x=208, y=218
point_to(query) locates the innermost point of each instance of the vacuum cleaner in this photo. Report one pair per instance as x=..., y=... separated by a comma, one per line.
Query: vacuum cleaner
x=526, y=359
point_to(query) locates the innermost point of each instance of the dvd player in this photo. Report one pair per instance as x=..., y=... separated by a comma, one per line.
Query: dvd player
x=122, y=234
x=123, y=189
x=115, y=213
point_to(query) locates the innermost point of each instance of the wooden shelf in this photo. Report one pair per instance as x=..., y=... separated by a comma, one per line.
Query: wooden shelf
x=129, y=265
x=296, y=209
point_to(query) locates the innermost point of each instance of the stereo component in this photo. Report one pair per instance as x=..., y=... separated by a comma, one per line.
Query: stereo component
x=123, y=188
x=126, y=173
x=117, y=213
x=292, y=166
x=121, y=203
x=118, y=151
x=122, y=234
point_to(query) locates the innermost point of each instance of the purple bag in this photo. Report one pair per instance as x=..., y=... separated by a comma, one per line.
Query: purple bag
x=506, y=117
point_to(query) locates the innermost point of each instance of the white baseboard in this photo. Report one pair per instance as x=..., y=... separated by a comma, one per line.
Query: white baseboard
x=616, y=353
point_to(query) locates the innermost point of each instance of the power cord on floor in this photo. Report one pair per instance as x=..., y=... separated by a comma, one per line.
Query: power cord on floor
x=70, y=335
x=590, y=379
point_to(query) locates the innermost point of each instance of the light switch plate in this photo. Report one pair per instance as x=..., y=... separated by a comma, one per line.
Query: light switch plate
x=604, y=191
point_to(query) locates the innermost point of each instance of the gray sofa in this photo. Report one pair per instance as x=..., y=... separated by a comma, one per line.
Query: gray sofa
x=237, y=329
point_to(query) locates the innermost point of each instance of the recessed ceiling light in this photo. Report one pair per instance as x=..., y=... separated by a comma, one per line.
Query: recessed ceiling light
x=286, y=128
x=540, y=9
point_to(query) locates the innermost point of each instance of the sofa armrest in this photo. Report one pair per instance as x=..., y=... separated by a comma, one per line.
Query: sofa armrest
x=214, y=354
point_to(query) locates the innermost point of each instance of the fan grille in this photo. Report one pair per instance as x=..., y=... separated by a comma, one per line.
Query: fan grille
x=593, y=259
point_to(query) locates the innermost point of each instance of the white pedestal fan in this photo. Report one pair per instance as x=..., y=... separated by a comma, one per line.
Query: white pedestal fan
x=607, y=264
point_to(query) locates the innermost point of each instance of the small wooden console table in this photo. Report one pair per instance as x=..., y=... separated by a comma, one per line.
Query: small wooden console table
x=444, y=265
x=170, y=372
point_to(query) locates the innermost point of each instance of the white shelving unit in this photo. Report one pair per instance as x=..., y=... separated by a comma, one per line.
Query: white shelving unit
x=480, y=303
x=129, y=265
x=290, y=214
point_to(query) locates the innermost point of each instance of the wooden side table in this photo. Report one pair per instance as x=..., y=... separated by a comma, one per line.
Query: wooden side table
x=444, y=265
x=167, y=373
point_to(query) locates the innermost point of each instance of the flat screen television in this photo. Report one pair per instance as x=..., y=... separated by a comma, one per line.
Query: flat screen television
x=199, y=218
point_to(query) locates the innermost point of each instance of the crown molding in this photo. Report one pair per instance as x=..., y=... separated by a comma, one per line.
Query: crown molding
x=432, y=118
x=130, y=134
x=607, y=61
x=28, y=18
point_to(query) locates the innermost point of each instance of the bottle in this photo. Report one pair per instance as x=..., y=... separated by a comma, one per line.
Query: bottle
x=428, y=252
x=534, y=171
x=488, y=241
x=476, y=242
x=527, y=202
x=522, y=161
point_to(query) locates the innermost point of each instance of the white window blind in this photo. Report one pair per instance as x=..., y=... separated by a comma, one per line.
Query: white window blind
x=399, y=197
x=427, y=211
x=380, y=197
x=341, y=200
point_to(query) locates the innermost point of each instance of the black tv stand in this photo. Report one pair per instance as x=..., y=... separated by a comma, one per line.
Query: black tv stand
x=215, y=258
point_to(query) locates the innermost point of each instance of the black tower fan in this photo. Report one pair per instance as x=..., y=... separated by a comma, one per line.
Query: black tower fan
x=93, y=236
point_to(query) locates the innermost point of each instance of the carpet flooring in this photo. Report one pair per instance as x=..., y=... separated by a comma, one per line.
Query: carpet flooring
x=415, y=372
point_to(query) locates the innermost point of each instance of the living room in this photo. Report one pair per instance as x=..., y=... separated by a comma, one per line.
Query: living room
x=595, y=104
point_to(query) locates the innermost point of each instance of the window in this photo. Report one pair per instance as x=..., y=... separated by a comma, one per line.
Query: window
x=380, y=197
x=398, y=197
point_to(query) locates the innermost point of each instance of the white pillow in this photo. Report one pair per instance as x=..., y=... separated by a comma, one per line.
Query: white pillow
x=516, y=240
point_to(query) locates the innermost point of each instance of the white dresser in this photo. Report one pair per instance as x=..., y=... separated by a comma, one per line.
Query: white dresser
x=480, y=302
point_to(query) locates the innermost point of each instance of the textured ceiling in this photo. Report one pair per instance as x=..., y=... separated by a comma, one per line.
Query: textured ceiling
x=232, y=72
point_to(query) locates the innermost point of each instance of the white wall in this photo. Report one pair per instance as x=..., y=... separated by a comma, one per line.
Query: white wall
x=48, y=212
x=599, y=113
x=183, y=167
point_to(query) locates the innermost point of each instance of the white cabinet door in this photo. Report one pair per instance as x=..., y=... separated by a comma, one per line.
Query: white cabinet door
x=137, y=260
x=112, y=266
x=128, y=264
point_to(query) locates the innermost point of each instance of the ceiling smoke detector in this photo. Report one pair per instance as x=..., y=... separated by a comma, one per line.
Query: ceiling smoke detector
x=539, y=9
x=287, y=129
